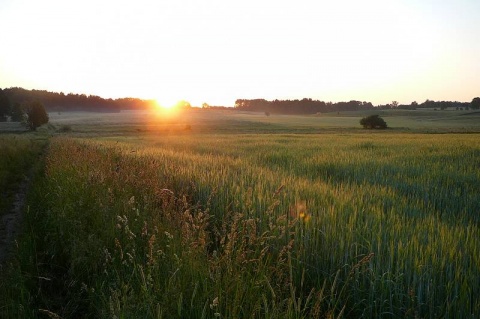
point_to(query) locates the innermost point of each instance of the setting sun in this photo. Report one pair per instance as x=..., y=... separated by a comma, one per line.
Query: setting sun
x=172, y=107
x=165, y=106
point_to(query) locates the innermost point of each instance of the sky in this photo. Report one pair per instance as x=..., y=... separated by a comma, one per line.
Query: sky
x=217, y=51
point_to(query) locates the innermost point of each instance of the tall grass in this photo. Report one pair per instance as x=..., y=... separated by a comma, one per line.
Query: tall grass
x=265, y=226
x=16, y=155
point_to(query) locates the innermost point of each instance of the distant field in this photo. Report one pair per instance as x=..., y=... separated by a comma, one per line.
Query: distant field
x=234, y=215
x=427, y=121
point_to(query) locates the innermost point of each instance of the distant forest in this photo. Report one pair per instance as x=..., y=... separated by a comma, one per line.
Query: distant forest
x=75, y=102
x=80, y=102
x=309, y=106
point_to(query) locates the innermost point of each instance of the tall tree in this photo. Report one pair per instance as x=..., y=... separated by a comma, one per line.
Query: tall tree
x=475, y=104
x=36, y=115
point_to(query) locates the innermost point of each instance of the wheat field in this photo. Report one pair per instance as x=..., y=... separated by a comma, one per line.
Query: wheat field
x=283, y=225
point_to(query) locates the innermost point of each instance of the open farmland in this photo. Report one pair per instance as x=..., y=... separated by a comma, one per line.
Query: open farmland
x=204, y=121
x=239, y=215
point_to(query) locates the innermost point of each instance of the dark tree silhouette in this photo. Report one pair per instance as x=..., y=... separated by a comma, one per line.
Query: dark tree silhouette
x=4, y=106
x=373, y=122
x=17, y=114
x=59, y=102
x=36, y=115
x=303, y=106
x=475, y=104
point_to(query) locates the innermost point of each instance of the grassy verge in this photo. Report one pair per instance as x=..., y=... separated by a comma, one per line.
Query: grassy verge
x=17, y=155
x=20, y=157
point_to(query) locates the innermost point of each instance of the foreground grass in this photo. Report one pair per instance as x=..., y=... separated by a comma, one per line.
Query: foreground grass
x=270, y=226
x=18, y=154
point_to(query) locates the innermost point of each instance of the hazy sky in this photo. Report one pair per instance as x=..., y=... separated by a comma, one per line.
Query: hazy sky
x=216, y=51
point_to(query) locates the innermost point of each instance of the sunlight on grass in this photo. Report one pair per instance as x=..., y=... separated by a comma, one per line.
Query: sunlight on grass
x=260, y=226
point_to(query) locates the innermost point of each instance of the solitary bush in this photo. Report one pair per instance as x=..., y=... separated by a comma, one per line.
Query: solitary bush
x=373, y=122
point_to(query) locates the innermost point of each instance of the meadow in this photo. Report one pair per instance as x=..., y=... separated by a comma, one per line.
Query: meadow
x=238, y=215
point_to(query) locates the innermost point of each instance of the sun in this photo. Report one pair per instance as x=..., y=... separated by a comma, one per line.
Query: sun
x=171, y=107
x=165, y=105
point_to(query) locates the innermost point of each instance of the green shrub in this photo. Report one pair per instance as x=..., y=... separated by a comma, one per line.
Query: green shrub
x=373, y=122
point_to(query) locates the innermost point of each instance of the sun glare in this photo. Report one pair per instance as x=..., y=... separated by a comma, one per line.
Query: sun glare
x=166, y=106
x=166, y=109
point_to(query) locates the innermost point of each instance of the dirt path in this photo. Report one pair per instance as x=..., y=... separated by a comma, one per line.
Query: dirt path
x=10, y=222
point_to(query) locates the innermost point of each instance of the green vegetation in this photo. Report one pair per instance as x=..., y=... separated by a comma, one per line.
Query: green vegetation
x=475, y=104
x=18, y=154
x=373, y=122
x=17, y=113
x=36, y=115
x=210, y=222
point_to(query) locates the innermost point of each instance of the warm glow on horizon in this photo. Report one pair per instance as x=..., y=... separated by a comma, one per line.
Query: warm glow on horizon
x=165, y=105
x=166, y=111
x=218, y=51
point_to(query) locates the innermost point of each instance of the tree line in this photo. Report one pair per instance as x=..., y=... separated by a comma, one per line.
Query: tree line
x=60, y=102
x=31, y=113
x=309, y=106
x=304, y=106
x=430, y=104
